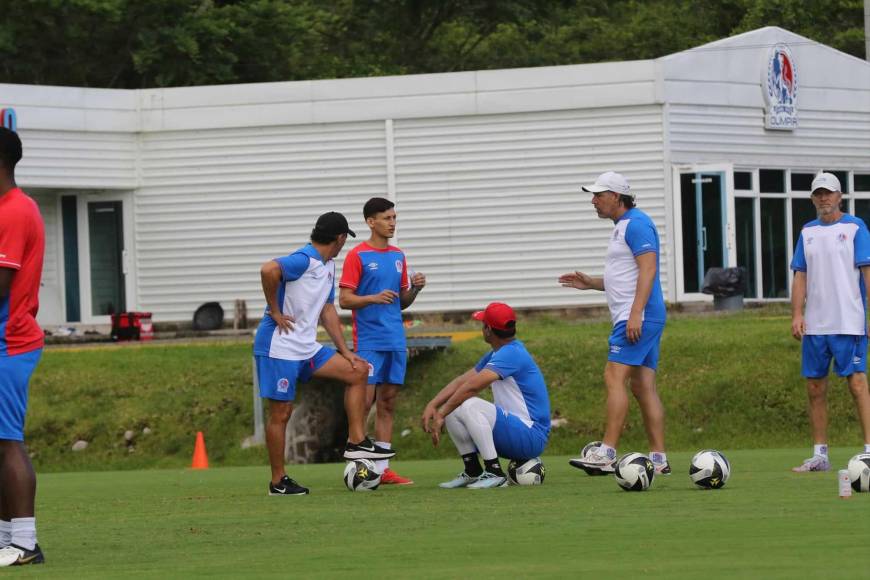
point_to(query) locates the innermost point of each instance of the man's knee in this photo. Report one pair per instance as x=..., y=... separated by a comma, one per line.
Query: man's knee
x=386, y=400
x=817, y=388
x=858, y=385
x=280, y=411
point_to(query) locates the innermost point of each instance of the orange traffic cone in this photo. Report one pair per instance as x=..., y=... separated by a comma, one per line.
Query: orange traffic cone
x=200, y=457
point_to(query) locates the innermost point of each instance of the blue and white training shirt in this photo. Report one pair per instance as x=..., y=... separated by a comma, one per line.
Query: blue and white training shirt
x=633, y=234
x=520, y=389
x=307, y=285
x=832, y=255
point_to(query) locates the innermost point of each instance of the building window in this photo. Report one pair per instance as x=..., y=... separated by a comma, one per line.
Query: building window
x=771, y=180
x=802, y=181
x=743, y=180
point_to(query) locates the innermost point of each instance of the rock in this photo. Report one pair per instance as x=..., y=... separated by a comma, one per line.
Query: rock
x=80, y=445
x=406, y=432
x=128, y=435
x=251, y=441
x=146, y=431
x=558, y=422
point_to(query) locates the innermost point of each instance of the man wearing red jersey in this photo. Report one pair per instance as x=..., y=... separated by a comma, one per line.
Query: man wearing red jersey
x=22, y=246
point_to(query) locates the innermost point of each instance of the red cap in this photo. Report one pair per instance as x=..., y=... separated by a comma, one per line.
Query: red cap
x=497, y=315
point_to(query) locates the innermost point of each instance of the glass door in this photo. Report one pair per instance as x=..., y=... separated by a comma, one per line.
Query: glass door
x=703, y=206
x=106, y=233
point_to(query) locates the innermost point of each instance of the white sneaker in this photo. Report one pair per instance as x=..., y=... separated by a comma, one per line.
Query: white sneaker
x=594, y=463
x=461, y=480
x=488, y=480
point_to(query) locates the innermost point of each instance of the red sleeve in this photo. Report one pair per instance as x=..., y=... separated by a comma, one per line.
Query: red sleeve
x=14, y=232
x=406, y=278
x=351, y=271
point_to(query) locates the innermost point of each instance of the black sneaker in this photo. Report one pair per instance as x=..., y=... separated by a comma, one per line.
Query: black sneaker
x=287, y=487
x=13, y=555
x=366, y=449
x=663, y=469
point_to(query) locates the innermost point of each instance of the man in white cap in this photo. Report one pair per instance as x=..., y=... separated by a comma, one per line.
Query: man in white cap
x=831, y=273
x=637, y=309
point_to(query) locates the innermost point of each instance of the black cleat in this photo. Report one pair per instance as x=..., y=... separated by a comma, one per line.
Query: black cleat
x=287, y=487
x=366, y=449
x=13, y=555
x=663, y=469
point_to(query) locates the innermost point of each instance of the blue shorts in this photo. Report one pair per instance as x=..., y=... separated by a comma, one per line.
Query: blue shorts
x=15, y=372
x=514, y=439
x=278, y=377
x=644, y=352
x=386, y=366
x=849, y=352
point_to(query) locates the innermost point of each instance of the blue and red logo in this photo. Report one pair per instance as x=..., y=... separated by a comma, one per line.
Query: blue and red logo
x=781, y=89
x=9, y=119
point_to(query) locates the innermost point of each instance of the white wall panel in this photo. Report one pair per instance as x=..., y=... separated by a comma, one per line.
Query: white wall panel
x=77, y=160
x=217, y=204
x=837, y=140
x=51, y=308
x=490, y=209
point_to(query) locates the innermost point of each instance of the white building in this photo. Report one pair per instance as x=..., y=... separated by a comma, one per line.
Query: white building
x=160, y=200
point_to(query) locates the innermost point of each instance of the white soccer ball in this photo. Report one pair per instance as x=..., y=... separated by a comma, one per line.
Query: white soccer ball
x=530, y=472
x=709, y=469
x=361, y=475
x=859, y=472
x=634, y=472
x=589, y=447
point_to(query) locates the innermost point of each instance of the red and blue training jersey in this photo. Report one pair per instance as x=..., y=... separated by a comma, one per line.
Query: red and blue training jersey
x=369, y=270
x=22, y=247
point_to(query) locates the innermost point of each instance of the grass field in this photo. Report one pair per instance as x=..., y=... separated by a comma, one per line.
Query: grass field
x=766, y=523
x=730, y=381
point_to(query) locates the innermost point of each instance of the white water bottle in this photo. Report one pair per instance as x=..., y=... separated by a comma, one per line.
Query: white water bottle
x=845, y=484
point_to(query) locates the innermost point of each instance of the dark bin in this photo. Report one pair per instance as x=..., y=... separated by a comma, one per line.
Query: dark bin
x=727, y=286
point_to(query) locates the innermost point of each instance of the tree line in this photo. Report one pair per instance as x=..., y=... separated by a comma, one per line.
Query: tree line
x=163, y=43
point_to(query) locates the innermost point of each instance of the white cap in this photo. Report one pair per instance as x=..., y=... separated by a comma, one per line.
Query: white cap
x=610, y=181
x=827, y=181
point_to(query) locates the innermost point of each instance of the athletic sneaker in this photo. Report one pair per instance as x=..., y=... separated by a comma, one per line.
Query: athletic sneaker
x=663, y=468
x=366, y=449
x=594, y=463
x=390, y=477
x=814, y=463
x=461, y=480
x=13, y=555
x=489, y=480
x=287, y=487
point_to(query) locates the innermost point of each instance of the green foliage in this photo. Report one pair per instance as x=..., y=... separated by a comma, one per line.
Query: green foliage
x=766, y=523
x=157, y=43
x=726, y=381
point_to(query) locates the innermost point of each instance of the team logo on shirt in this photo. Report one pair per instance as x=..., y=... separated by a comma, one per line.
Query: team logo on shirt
x=283, y=385
x=841, y=238
x=615, y=234
x=399, y=266
x=372, y=266
x=810, y=241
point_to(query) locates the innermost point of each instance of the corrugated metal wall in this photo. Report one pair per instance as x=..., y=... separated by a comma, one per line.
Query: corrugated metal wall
x=837, y=140
x=490, y=207
x=78, y=160
x=217, y=204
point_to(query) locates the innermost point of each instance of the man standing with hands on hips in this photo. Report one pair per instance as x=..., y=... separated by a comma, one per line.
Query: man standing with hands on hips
x=831, y=266
x=637, y=309
x=376, y=286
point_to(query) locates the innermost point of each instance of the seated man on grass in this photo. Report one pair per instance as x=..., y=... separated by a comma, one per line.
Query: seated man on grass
x=517, y=426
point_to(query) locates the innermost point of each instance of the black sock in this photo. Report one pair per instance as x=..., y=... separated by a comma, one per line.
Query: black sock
x=493, y=466
x=472, y=465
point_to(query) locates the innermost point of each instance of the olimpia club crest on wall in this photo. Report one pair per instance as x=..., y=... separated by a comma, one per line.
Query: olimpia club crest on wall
x=780, y=86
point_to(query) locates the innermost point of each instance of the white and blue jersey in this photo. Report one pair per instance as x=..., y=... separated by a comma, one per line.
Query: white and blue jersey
x=633, y=234
x=832, y=256
x=307, y=285
x=522, y=402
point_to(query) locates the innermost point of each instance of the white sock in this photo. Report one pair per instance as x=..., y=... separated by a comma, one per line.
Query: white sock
x=659, y=457
x=382, y=464
x=5, y=533
x=820, y=449
x=867, y=448
x=607, y=451
x=24, y=532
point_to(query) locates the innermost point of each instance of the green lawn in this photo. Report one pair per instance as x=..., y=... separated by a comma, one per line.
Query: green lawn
x=766, y=523
x=730, y=381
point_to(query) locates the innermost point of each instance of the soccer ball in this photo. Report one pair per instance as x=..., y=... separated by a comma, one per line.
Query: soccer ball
x=634, y=472
x=530, y=472
x=709, y=469
x=859, y=472
x=589, y=447
x=360, y=475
